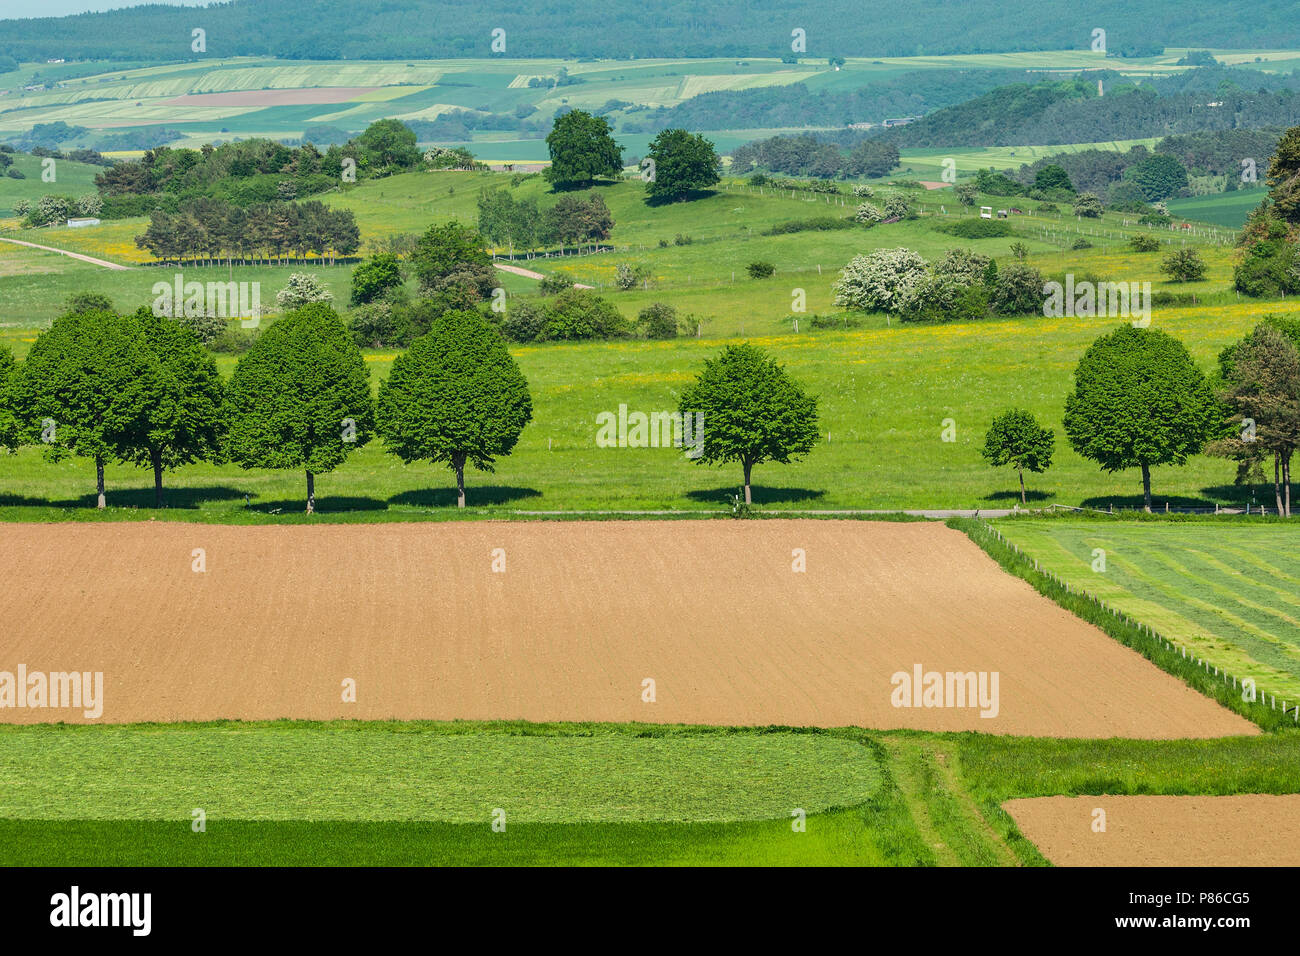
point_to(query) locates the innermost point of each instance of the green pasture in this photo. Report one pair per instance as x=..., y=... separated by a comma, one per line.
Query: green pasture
x=423, y=793
x=1229, y=593
x=1222, y=209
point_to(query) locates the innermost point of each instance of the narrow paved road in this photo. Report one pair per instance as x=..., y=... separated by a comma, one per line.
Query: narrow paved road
x=64, y=252
x=530, y=274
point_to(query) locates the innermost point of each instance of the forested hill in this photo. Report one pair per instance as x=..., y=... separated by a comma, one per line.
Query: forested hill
x=1072, y=112
x=402, y=29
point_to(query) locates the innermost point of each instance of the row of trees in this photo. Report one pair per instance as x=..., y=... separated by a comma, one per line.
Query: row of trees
x=1140, y=401
x=809, y=155
x=141, y=389
x=215, y=230
x=575, y=219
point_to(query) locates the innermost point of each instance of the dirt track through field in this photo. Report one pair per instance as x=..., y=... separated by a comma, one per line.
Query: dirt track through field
x=584, y=612
x=1249, y=830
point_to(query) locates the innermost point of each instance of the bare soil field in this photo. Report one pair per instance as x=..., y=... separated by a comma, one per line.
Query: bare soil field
x=583, y=614
x=1246, y=830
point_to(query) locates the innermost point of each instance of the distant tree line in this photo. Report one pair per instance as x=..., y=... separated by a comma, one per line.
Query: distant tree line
x=575, y=219
x=212, y=230
x=1070, y=111
x=808, y=155
x=406, y=29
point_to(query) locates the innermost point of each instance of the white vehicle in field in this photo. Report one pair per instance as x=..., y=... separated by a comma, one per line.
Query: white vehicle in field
x=986, y=212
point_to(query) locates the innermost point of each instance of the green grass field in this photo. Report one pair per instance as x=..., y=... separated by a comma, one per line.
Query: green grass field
x=424, y=793
x=1230, y=592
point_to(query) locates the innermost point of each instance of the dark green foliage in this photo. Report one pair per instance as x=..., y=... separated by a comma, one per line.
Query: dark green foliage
x=1018, y=290
x=10, y=431
x=1183, y=265
x=300, y=397
x=374, y=278
x=455, y=396
x=582, y=150
x=1142, y=242
x=760, y=270
x=815, y=224
x=973, y=228
x=752, y=411
x=1139, y=401
x=1015, y=438
x=452, y=256
x=657, y=321
x=684, y=163
x=581, y=314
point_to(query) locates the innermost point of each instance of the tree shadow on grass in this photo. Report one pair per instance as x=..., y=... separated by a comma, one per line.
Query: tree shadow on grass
x=325, y=504
x=475, y=495
x=187, y=499
x=1134, y=502
x=1237, y=495
x=1014, y=495
x=761, y=495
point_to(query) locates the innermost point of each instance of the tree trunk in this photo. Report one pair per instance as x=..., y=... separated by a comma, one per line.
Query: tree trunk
x=155, y=456
x=99, y=481
x=1146, y=487
x=1286, y=481
x=311, y=493
x=459, y=464
x=749, y=498
x=1023, y=500
x=1277, y=482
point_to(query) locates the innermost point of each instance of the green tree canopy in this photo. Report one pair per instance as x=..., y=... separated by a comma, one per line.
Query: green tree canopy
x=451, y=256
x=300, y=397
x=752, y=411
x=582, y=149
x=388, y=144
x=1015, y=438
x=86, y=388
x=1139, y=401
x=10, y=433
x=374, y=277
x=683, y=163
x=184, y=405
x=1053, y=176
x=455, y=396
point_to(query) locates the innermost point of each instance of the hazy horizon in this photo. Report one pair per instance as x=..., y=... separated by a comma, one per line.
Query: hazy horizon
x=24, y=9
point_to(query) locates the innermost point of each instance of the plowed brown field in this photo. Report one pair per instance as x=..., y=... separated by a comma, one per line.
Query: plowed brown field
x=1249, y=830
x=584, y=612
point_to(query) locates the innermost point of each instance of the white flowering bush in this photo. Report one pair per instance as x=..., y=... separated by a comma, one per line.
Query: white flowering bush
x=864, y=191
x=303, y=287
x=868, y=213
x=875, y=282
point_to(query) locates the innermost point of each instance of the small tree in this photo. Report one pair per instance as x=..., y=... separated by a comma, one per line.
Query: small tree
x=300, y=397
x=452, y=256
x=1017, y=290
x=1183, y=265
x=1088, y=206
x=657, y=321
x=752, y=411
x=966, y=193
x=455, y=396
x=1142, y=242
x=1015, y=438
x=85, y=388
x=303, y=288
x=1138, y=401
x=1262, y=376
x=373, y=278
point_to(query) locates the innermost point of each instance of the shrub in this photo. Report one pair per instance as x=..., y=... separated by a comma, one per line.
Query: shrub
x=936, y=297
x=864, y=191
x=1018, y=290
x=1047, y=208
x=898, y=207
x=628, y=277
x=13, y=172
x=524, y=322
x=303, y=288
x=815, y=224
x=1183, y=265
x=760, y=270
x=207, y=327
x=1081, y=243
x=1143, y=242
x=658, y=321
x=978, y=228
x=963, y=265
x=554, y=283
x=1088, y=206
x=374, y=325
x=373, y=278
x=581, y=314
x=234, y=340
x=1019, y=250
x=966, y=193
x=875, y=281
x=869, y=213
x=681, y=240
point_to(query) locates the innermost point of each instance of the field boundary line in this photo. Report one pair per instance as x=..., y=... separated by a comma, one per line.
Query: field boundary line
x=1170, y=656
